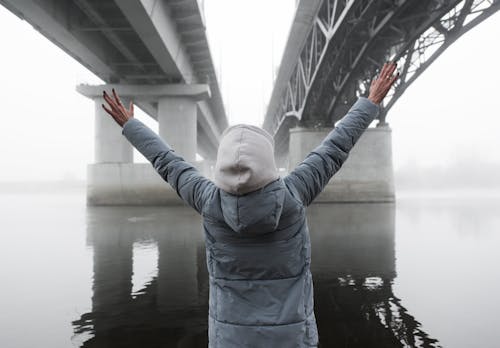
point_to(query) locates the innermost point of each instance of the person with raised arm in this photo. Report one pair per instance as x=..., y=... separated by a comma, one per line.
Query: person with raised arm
x=256, y=235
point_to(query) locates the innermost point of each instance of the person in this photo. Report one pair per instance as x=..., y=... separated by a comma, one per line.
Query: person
x=256, y=235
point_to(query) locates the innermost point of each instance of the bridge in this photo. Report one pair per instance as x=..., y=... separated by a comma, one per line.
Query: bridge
x=154, y=53
x=333, y=50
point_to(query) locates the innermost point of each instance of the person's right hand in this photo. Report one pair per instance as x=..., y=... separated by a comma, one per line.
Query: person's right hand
x=116, y=109
x=383, y=83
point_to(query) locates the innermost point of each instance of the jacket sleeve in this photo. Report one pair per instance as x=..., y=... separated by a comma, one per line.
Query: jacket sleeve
x=184, y=178
x=310, y=177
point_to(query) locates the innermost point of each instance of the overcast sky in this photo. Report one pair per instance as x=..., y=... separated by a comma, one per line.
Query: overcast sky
x=449, y=114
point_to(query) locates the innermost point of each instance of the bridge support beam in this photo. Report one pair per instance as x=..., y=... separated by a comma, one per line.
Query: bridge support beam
x=177, y=125
x=114, y=179
x=366, y=176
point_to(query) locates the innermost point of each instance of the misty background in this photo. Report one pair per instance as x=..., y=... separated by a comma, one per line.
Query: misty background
x=445, y=126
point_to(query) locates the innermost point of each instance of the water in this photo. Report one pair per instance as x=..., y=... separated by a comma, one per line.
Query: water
x=421, y=273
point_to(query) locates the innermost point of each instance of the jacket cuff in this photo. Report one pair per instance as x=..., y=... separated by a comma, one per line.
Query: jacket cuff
x=370, y=107
x=130, y=124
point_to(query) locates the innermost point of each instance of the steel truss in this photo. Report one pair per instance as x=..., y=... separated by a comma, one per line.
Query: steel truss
x=350, y=39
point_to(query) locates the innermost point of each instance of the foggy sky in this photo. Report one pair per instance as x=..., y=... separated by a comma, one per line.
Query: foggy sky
x=448, y=115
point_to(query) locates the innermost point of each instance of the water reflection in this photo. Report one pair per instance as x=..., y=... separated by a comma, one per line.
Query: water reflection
x=353, y=267
x=168, y=311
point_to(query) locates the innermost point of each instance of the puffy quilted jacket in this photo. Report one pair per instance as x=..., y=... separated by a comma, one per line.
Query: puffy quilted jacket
x=257, y=244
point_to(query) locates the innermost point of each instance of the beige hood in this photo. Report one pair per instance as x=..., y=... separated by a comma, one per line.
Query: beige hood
x=245, y=159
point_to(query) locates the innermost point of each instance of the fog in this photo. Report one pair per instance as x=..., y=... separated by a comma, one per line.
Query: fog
x=445, y=126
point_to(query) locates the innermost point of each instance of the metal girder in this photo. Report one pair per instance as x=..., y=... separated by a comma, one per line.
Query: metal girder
x=427, y=47
x=349, y=40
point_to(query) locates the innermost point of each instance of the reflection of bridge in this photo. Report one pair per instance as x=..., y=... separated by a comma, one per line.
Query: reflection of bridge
x=172, y=309
x=153, y=52
x=333, y=50
x=353, y=268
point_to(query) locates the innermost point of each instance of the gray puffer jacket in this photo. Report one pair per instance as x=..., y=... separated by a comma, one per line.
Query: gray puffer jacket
x=257, y=244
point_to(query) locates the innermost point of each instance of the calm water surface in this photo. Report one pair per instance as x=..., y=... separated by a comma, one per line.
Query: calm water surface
x=420, y=273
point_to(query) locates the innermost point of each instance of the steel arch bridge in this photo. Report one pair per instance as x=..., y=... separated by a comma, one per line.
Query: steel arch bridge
x=339, y=45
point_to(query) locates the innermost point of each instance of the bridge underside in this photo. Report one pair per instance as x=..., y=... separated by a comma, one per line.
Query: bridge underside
x=160, y=52
x=334, y=50
x=343, y=43
x=136, y=42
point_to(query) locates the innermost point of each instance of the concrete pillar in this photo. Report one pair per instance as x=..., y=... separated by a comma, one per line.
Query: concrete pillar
x=177, y=124
x=110, y=145
x=281, y=161
x=114, y=179
x=366, y=176
x=209, y=168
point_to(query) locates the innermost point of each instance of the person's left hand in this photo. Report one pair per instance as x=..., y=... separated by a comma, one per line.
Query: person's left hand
x=382, y=84
x=119, y=113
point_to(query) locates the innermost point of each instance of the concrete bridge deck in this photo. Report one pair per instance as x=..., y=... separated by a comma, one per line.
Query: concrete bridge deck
x=156, y=54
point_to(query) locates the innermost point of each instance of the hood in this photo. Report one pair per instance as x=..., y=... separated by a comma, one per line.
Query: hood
x=255, y=213
x=245, y=160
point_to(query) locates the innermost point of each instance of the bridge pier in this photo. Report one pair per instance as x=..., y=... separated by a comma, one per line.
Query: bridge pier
x=110, y=145
x=177, y=125
x=366, y=176
x=114, y=178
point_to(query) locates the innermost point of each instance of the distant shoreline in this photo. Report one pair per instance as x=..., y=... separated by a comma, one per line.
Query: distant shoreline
x=402, y=192
x=448, y=193
x=42, y=186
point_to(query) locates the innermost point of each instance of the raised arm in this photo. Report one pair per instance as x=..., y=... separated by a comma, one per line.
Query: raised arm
x=310, y=177
x=184, y=178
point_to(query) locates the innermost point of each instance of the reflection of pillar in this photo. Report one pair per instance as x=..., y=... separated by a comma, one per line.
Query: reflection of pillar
x=112, y=275
x=353, y=266
x=202, y=274
x=177, y=124
x=112, y=242
x=177, y=262
x=367, y=174
x=352, y=239
x=169, y=311
x=110, y=145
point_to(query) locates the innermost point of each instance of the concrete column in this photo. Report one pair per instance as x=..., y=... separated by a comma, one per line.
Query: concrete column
x=366, y=176
x=110, y=145
x=114, y=179
x=208, y=168
x=177, y=125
